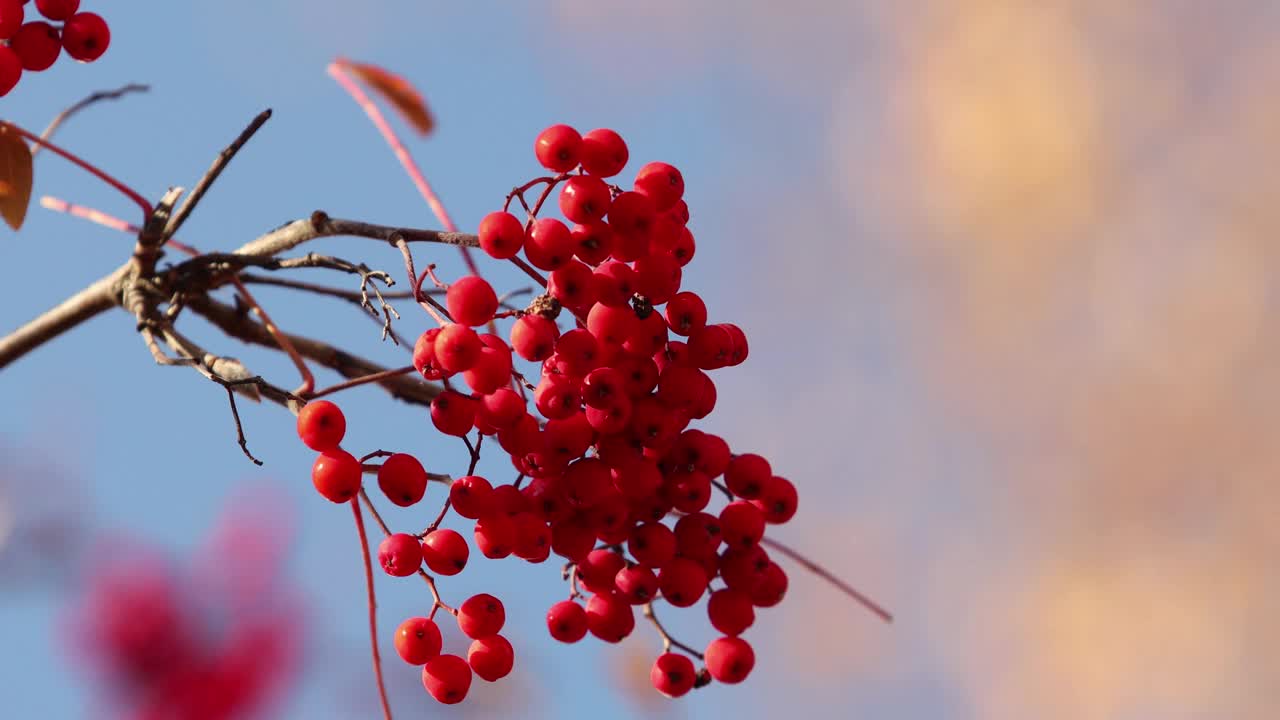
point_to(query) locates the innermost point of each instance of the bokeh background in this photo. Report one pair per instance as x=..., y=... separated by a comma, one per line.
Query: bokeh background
x=1008, y=270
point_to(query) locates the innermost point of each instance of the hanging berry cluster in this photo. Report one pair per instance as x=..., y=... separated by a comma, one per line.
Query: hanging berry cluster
x=35, y=45
x=618, y=483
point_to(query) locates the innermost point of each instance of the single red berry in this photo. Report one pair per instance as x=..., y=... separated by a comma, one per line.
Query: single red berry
x=567, y=621
x=611, y=325
x=738, y=350
x=778, y=501
x=587, y=481
x=86, y=36
x=572, y=539
x=533, y=337
x=549, y=244
x=637, y=479
x=424, y=356
x=652, y=544
x=495, y=536
x=730, y=611
x=402, y=479
x=321, y=425
x=557, y=148
x=636, y=584
x=593, y=242
x=500, y=408
x=771, y=588
x=584, y=199
x=471, y=496
x=688, y=491
x=336, y=475
x=57, y=9
x=457, y=347
x=533, y=537
x=730, y=659
x=501, y=235
x=10, y=69
x=682, y=582
x=417, y=640
x=471, y=301
x=658, y=277
x=453, y=413
x=686, y=313
x=38, y=44
x=744, y=569
x=447, y=678
x=742, y=524
x=747, y=475
x=684, y=249
x=491, y=657
x=604, y=153
x=631, y=215
x=481, y=615
x=492, y=369
x=662, y=183
x=673, y=675
x=557, y=397
x=711, y=347
x=11, y=17
x=609, y=617
x=400, y=554
x=573, y=284
x=445, y=551
x=641, y=374
x=649, y=334
x=599, y=568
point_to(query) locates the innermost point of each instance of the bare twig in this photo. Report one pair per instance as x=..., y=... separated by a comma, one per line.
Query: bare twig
x=235, y=415
x=667, y=640
x=86, y=102
x=219, y=164
x=354, y=382
x=830, y=577
x=98, y=297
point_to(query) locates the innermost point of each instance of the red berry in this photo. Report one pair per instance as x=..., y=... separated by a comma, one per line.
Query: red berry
x=584, y=199
x=612, y=325
x=10, y=69
x=447, y=678
x=57, y=9
x=657, y=277
x=453, y=413
x=457, y=347
x=471, y=496
x=662, y=183
x=586, y=482
x=673, y=675
x=652, y=544
x=567, y=621
x=711, y=347
x=572, y=539
x=481, y=615
x=549, y=244
x=86, y=36
x=742, y=524
x=556, y=397
x=557, y=148
x=778, y=501
x=495, y=536
x=744, y=569
x=610, y=618
x=747, y=475
x=684, y=248
x=533, y=337
x=471, y=301
x=686, y=313
x=321, y=425
x=533, y=537
x=682, y=582
x=445, y=551
x=730, y=611
x=424, y=356
x=593, y=242
x=400, y=554
x=631, y=215
x=336, y=475
x=604, y=154
x=771, y=588
x=491, y=657
x=599, y=568
x=637, y=479
x=11, y=17
x=402, y=479
x=500, y=408
x=418, y=640
x=730, y=659
x=37, y=44
x=573, y=284
x=501, y=235
x=738, y=349
x=636, y=584
x=649, y=335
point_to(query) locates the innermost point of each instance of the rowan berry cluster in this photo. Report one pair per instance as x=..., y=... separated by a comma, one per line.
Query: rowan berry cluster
x=618, y=483
x=34, y=45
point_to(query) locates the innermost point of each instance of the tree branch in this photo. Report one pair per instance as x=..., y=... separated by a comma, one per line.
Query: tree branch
x=98, y=297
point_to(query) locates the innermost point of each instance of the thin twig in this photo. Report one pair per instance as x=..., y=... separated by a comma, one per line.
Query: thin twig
x=830, y=577
x=373, y=609
x=210, y=175
x=667, y=640
x=235, y=415
x=125, y=190
x=86, y=102
x=354, y=382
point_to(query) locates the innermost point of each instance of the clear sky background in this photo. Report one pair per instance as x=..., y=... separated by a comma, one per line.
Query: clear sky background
x=1007, y=270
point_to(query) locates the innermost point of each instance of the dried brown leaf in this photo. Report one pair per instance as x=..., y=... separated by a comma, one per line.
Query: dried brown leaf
x=397, y=91
x=15, y=177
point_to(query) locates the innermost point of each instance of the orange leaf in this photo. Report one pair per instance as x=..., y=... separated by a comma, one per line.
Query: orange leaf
x=397, y=91
x=15, y=177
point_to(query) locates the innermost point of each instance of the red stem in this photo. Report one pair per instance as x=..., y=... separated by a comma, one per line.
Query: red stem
x=101, y=175
x=373, y=608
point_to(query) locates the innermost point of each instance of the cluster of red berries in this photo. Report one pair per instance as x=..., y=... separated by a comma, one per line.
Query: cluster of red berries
x=618, y=483
x=165, y=654
x=35, y=45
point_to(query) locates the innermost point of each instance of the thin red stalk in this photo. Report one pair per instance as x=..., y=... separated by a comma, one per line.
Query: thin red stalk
x=827, y=575
x=308, y=381
x=373, y=608
x=363, y=380
x=101, y=175
x=415, y=174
